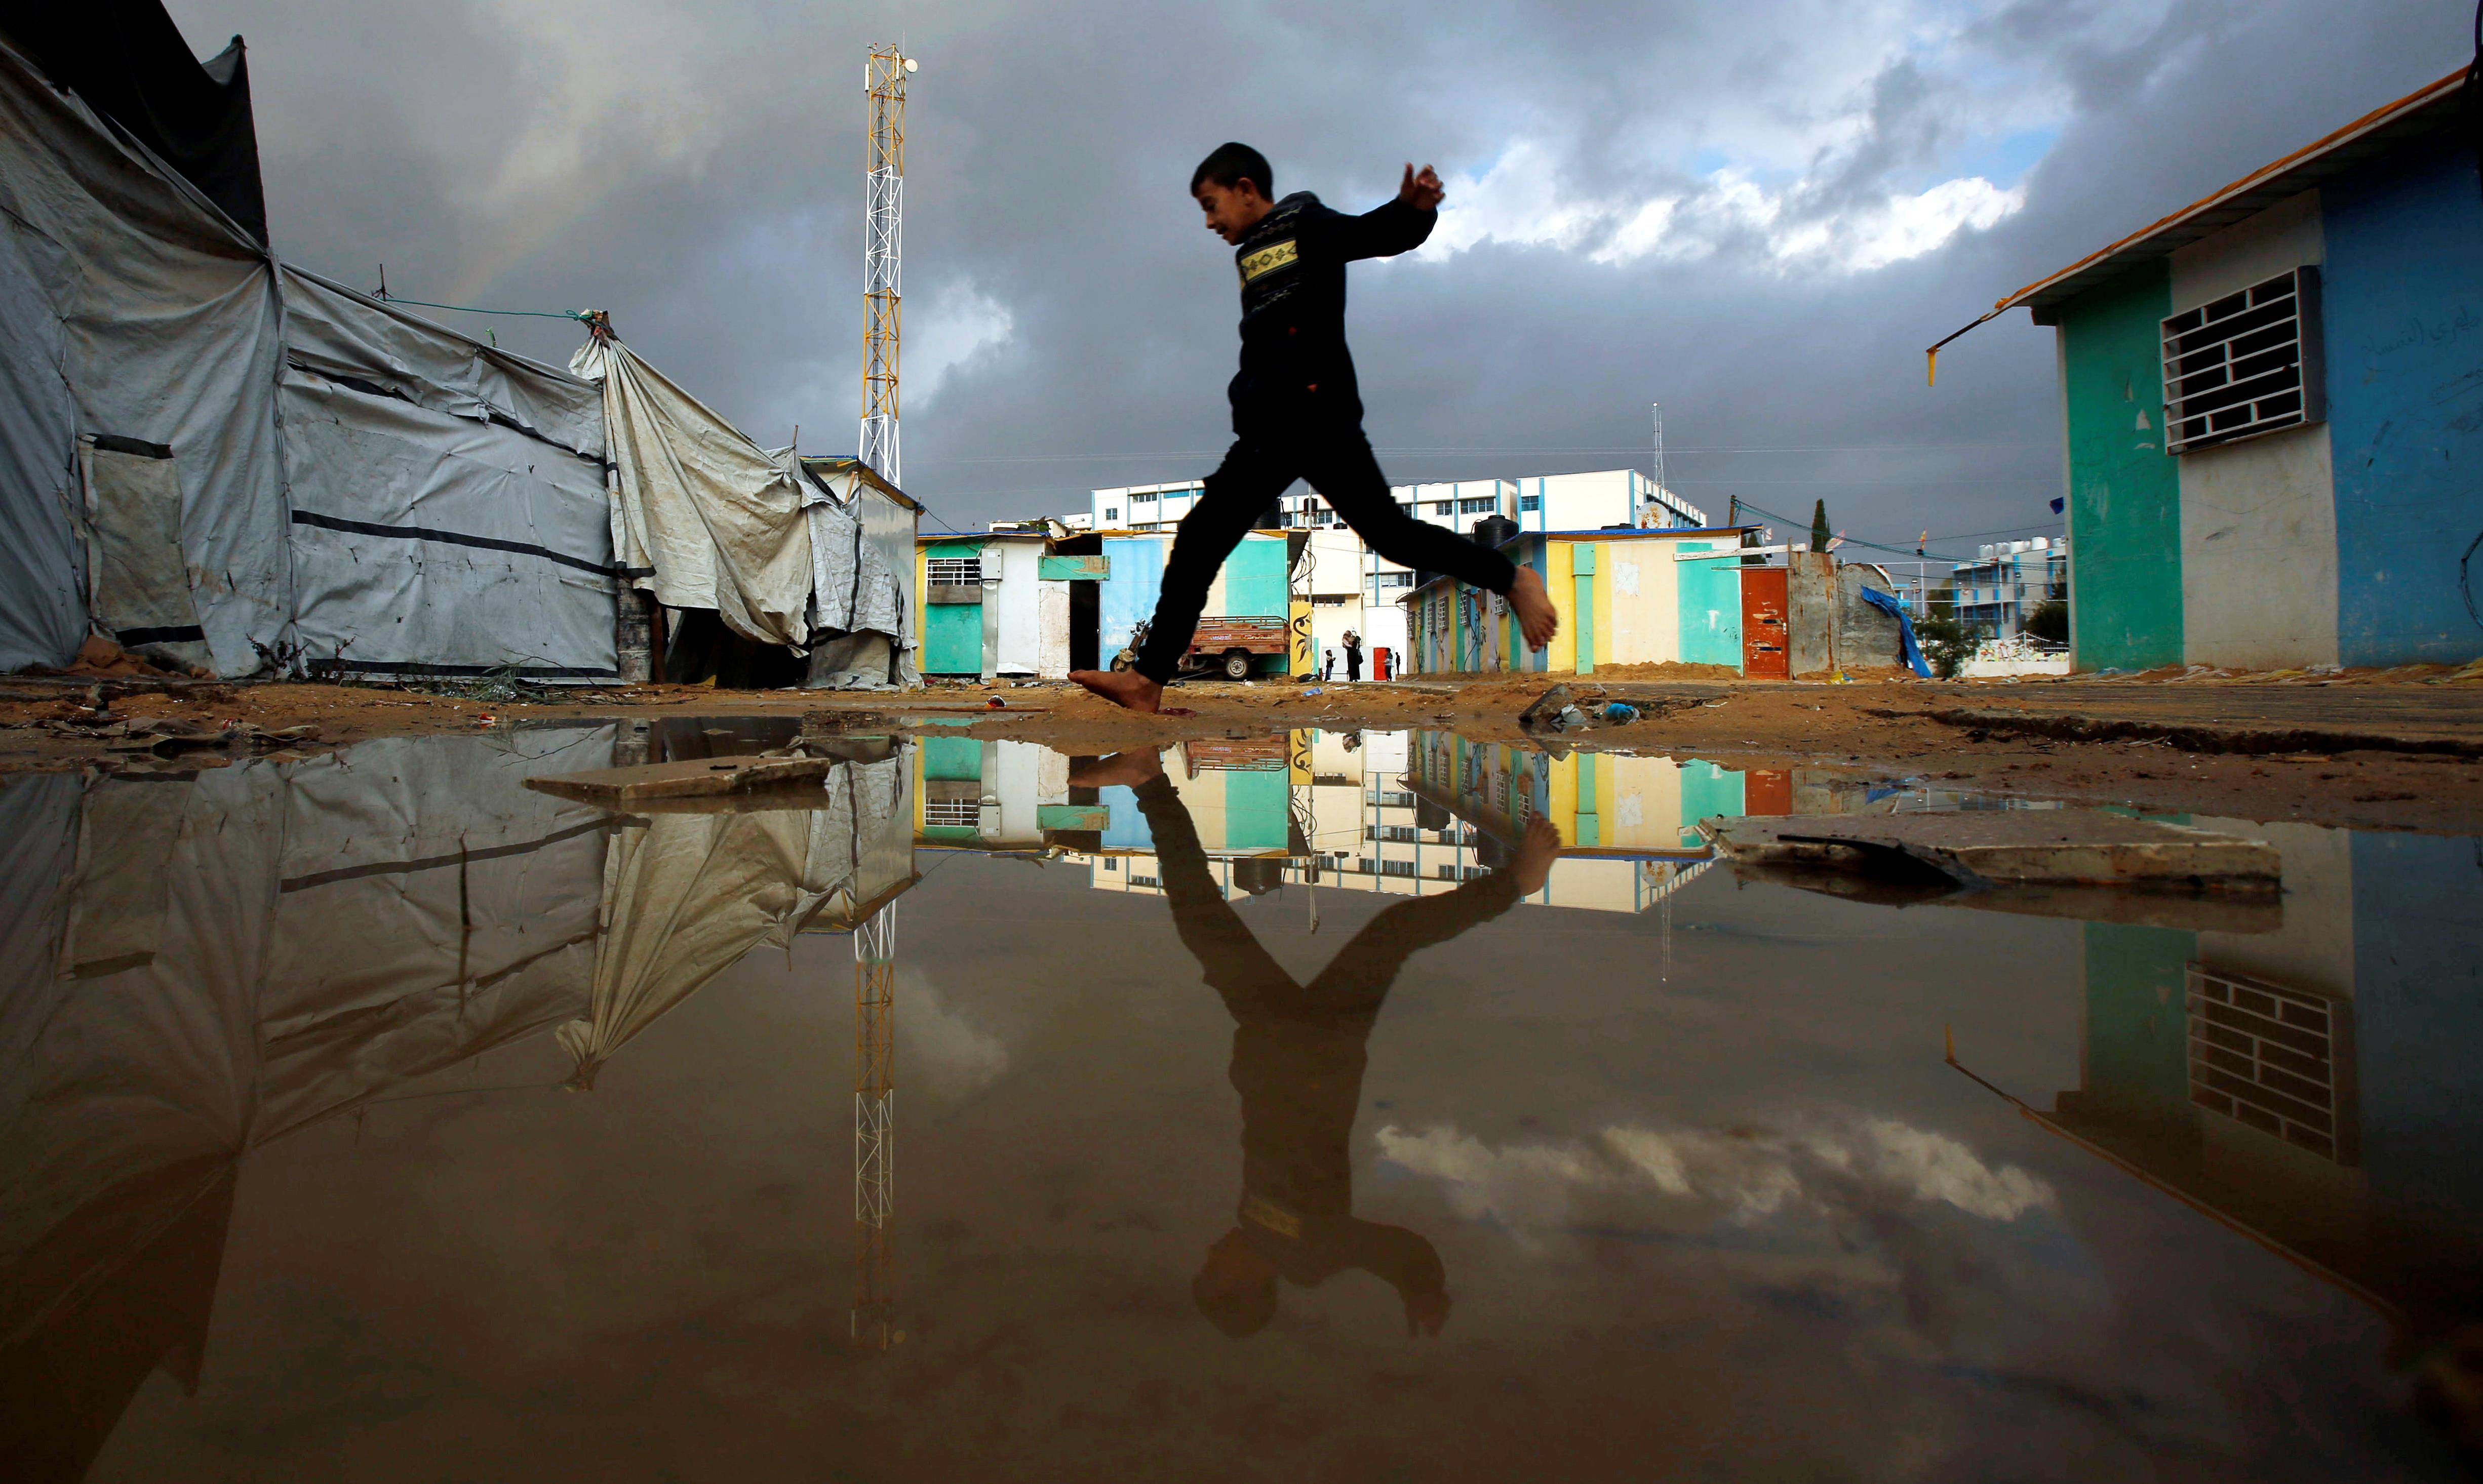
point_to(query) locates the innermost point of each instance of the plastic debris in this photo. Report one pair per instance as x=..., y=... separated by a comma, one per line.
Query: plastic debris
x=1619, y=712
x=1313, y=690
x=995, y=702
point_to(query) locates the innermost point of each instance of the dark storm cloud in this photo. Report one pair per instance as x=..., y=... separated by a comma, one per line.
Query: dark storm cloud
x=1748, y=212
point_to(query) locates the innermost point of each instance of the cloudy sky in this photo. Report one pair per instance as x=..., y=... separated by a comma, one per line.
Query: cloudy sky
x=1756, y=213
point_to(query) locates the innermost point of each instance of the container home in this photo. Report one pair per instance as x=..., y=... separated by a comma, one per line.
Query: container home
x=1625, y=600
x=2273, y=400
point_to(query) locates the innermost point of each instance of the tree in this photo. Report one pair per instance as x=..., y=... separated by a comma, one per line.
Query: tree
x=1819, y=534
x=2050, y=619
x=1946, y=643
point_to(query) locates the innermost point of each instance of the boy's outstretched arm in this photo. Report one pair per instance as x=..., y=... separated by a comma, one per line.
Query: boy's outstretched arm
x=1397, y=226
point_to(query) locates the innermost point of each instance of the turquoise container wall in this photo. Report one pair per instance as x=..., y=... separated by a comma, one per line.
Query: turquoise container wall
x=2124, y=494
x=1128, y=593
x=2403, y=289
x=1710, y=595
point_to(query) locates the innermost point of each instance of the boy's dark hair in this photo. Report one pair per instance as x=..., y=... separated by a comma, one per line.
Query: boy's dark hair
x=1230, y=165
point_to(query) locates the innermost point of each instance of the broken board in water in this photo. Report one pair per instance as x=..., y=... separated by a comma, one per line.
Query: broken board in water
x=2048, y=862
x=693, y=778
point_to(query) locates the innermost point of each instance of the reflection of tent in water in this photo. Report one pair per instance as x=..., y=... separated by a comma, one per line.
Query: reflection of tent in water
x=197, y=966
x=686, y=894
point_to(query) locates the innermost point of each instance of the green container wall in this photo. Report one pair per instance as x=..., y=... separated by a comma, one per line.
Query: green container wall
x=2124, y=494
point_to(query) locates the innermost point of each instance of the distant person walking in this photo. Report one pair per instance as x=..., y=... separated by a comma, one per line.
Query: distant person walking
x=1327, y=670
x=1353, y=655
x=1297, y=412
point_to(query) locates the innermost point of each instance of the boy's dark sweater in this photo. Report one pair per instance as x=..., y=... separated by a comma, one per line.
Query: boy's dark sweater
x=1295, y=366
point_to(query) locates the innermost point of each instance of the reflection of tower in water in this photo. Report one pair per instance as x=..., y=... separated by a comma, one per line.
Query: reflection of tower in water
x=875, y=1295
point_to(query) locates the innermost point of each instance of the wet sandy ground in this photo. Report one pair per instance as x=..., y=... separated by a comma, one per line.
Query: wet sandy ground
x=1877, y=729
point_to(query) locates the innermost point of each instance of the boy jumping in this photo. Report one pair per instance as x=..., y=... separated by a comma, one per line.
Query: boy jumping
x=1296, y=413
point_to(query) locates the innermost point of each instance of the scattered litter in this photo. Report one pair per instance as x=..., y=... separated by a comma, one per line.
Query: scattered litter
x=995, y=702
x=1313, y=691
x=1620, y=713
x=1175, y=711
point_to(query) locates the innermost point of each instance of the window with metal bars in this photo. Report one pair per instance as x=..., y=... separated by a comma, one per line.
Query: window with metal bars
x=2245, y=364
x=1396, y=868
x=968, y=812
x=956, y=572
x=2273, y=1057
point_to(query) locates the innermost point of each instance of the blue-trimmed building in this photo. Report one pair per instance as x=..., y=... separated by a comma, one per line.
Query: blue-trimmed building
x=2273, y=400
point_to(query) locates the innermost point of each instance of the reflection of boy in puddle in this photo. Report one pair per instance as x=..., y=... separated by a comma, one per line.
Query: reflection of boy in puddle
x=1298, y=1062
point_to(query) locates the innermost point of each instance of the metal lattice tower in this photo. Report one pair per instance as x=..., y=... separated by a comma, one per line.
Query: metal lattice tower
x=1658, y=408
x=875, y=1296
x=883, y=250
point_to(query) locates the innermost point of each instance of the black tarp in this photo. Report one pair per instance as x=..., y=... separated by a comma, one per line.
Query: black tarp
x=128, y=61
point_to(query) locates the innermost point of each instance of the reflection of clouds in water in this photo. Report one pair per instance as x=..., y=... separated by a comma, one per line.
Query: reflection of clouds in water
x=941, y=1052
x=1739, y=1175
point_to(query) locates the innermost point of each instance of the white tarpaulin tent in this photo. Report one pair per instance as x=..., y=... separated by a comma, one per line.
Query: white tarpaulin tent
x=712, y=520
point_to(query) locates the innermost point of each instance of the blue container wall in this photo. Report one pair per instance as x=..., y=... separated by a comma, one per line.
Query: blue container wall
x=1129, y=596
x=2404, y=318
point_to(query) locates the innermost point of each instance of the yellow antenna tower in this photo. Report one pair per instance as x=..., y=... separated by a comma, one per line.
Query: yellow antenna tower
x=883, y=253
x=874, y=1297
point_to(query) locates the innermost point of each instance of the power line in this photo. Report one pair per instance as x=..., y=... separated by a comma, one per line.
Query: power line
x=580, y=316
x=1439, y=451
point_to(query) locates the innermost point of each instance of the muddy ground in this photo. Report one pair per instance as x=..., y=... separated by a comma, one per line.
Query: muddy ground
x=2394, y=750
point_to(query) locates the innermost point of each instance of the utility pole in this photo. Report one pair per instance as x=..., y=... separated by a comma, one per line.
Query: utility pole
x=883, y=252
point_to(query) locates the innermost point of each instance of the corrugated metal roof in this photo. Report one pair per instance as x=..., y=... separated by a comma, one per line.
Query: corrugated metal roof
x=2421, y=111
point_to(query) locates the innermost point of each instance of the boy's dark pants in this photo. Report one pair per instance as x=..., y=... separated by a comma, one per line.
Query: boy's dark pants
x=1337, y=463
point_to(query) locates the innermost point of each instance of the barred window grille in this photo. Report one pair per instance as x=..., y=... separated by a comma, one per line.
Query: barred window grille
x=968, y=812
x=2246, y=364
x=956, y=572
x=1396, y=868
x=1529, y=502
x=1478, y=507
x=2273, y=1057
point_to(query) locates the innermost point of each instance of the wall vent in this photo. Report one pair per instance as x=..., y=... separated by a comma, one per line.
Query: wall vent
x=2246, y=364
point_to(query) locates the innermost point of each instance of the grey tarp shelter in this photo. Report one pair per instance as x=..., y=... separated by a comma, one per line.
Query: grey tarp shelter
x=232, y=464
x=229, y=463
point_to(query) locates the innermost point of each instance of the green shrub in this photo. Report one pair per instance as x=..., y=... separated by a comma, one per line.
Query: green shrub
x=1946, y=643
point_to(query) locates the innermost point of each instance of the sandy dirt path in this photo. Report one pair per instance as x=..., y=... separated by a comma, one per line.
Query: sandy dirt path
x=2403, y=753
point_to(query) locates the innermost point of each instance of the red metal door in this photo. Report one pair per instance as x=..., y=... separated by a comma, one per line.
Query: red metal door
x=1764, y=651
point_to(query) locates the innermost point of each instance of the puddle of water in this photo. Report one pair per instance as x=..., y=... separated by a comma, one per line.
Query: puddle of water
x=1286, y=1116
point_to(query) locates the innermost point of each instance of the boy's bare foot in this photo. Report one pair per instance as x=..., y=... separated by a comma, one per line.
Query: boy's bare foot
x=1123, y=687
x=1536, y=854
x=1121, y=770
x=1536, y=619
